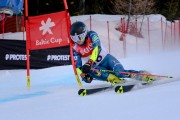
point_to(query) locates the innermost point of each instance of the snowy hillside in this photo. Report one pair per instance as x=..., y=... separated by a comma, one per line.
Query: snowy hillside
x=53, y=93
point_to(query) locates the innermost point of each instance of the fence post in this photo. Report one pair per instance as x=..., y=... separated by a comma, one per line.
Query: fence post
x=136, y=35
x=148, y=35
x=179, y=29
x=108, y=36
x=165, y=35
x=90, y=22
x=162, y=34
x=3, y=24
x=171, y=41
x=124, y=37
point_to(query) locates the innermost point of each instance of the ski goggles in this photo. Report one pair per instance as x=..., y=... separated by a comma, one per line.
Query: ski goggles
x=79, y=37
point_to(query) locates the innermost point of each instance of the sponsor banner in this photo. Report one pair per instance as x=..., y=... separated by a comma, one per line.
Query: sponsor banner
x=13, y=56
x=48, y=31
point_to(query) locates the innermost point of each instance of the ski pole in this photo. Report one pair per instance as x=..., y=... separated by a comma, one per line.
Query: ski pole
x=141, y=74
x=144, y=74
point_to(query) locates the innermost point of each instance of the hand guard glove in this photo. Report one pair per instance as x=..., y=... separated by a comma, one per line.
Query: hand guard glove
x=86, y=78
x=86, y=68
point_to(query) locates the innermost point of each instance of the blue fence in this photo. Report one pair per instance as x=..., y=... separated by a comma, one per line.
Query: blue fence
x=16, y=6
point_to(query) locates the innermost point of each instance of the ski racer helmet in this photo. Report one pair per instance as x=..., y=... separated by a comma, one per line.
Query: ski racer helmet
x=78, y=32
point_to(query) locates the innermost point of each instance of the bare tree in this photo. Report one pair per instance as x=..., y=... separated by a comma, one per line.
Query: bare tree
x=137, y=6
x=133, y=8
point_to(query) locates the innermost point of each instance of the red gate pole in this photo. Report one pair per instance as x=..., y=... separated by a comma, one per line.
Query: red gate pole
x=27, y=45
x=71, y=50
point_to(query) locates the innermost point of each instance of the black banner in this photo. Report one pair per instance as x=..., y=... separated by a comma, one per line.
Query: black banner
x=13, y=56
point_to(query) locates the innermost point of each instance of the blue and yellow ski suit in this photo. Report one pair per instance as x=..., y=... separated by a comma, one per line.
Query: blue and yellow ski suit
x=104, y=63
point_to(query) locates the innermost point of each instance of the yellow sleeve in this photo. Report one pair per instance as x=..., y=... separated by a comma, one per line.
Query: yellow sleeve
x=78, y=71
x=94, y=54
x=93, y=58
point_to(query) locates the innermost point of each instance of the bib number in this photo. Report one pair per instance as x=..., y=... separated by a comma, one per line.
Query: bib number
x=99, y=58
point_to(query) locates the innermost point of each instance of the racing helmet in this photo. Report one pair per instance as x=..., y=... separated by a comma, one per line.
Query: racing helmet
x=78, y=32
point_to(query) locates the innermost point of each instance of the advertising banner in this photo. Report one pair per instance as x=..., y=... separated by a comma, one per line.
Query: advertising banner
x=13, y=56
x=48, y=31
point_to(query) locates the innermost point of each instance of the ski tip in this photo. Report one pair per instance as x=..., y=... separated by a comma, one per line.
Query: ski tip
x=82, y=92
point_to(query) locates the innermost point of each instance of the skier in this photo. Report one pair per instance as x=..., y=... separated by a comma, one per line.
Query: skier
x=99, y=64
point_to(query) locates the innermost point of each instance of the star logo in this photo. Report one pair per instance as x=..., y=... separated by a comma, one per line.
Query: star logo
x=46, y=26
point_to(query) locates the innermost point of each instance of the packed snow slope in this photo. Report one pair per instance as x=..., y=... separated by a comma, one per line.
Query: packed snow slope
x=53, y=93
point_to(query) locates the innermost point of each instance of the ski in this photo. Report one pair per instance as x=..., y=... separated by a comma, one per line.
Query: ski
x=118, y=89
x=85, y=92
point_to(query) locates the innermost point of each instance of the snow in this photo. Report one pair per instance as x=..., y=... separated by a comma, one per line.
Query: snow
x=53, y=93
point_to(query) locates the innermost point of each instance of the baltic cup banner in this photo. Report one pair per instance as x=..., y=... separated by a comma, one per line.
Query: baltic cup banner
x=48, y=31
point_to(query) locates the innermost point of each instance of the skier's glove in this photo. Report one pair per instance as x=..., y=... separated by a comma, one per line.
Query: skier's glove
x=86, y=78
x=86, y=68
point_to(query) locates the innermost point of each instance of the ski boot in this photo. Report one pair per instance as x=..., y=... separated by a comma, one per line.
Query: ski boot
x=114, y=80
x=146, y=78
